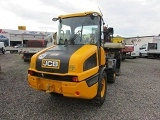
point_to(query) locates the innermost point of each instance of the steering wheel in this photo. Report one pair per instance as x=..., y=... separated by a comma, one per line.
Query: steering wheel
x=74, y=37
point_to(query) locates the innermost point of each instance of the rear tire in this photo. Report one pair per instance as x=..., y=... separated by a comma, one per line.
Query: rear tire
x=111, y=76
x=101, y=91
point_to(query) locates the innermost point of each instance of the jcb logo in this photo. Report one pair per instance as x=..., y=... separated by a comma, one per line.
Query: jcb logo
x=50, y=63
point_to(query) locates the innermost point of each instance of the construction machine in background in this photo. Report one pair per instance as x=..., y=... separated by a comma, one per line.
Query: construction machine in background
x=81, y=63
x=128, y=50
x=114, y=47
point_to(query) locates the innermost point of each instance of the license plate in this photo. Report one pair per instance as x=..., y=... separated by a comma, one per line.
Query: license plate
x=53, y=87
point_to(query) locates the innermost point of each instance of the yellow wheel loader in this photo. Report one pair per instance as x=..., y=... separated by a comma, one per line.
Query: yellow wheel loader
x=77, y=65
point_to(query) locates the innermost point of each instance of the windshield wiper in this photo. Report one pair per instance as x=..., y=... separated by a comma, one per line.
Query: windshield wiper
x=81, y=33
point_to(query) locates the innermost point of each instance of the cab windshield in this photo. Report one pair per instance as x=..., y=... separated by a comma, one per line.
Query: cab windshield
x=79, y=30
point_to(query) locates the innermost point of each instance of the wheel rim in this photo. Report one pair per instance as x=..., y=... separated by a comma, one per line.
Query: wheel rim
x=103, y=87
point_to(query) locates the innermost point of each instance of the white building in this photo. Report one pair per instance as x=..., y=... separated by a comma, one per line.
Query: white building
x=15, y=37
x=139, y=40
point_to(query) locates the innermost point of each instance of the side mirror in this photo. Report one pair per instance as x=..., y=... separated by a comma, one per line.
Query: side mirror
x=55, y=19
x=110, y=31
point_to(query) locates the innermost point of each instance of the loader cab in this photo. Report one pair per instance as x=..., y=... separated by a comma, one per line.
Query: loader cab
x=80, y=29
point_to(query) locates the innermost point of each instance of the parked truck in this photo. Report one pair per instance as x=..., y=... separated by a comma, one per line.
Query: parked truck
x=149, y=50
x=31, y=47
x=81, y=63
x=141, y=42
x=131, y=51
x=154, y=48
x=143, y=50
x=135, y=52
x=126, y=52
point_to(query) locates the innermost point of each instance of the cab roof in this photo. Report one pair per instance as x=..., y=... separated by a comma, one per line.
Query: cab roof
x=78, y=14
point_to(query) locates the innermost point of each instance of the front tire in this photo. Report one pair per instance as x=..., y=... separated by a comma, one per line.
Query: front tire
x=101, y=91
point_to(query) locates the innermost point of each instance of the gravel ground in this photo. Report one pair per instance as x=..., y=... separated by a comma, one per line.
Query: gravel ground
x=134, y=96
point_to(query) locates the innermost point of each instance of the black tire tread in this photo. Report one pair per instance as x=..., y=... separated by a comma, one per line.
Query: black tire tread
x=110, y=76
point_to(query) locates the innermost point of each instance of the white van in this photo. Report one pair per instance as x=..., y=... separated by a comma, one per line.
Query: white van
x=143, y=50
x=135, y=53
x=2, y=48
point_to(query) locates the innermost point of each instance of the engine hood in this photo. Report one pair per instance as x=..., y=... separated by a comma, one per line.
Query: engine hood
x=56, y=59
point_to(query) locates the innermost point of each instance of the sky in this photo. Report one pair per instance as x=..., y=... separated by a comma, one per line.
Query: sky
x=129, y=18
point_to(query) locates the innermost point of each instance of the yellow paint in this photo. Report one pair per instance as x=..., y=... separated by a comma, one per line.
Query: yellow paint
x=21, y=27
x=117, y=39
x=103, y=59
x=78, y=14
x=68, y=89
x=75, y=68
x=80, y=56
